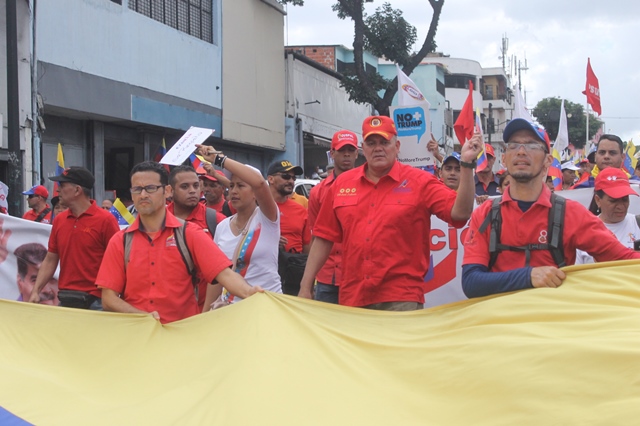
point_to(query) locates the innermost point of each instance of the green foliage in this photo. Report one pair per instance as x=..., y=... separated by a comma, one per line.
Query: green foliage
x=547, y=112
x=364, y=93
x=389, y=35
x=293, y=2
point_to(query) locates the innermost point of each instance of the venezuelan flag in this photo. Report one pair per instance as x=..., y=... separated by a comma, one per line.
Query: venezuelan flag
x=59, y=166
x=195, y=161
x=160, y=152
x=121, y=213
x=630, y=161
x=556, y=170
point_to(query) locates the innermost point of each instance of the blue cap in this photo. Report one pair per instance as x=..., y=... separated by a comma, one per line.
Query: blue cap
x=455, y=155
x=522, y=124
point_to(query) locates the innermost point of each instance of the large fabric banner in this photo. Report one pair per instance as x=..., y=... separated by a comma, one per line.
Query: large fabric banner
x=565, y=356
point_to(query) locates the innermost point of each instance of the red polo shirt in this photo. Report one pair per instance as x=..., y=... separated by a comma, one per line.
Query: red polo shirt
x=32, y=215
x=81, y=242
x=156, y=278
x=330, y=272
x=294, y=225
x=582, y=230
x=384, y=229
x=199, y=215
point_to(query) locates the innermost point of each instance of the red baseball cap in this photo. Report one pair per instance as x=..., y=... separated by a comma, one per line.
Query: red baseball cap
x=614, y=182
x=489, y=150
x=208, y=177
x=379, y=125
x=38, y=190
x=342, y=138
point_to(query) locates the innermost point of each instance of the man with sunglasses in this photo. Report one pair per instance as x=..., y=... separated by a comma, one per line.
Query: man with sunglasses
x=39, y=211
x=524, y=256
x=295, y=236
x=78, y=240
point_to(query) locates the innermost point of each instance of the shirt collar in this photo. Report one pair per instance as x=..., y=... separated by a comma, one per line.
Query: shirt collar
x=544, y=199
x=394, y=173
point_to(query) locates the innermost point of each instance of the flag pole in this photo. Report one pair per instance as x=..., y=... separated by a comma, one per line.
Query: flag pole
x=587, y=141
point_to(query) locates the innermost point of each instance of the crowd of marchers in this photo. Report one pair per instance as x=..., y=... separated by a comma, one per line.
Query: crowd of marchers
x=203, y=239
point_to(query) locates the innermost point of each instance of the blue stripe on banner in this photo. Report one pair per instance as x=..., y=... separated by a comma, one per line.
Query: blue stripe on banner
x=9, y=419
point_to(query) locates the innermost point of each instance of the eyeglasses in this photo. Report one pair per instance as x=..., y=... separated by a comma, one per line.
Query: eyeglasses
x=529, y=147
x=150, y=189
x=288, y=177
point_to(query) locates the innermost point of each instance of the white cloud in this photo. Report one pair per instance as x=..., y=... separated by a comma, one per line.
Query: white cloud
x=557, y=37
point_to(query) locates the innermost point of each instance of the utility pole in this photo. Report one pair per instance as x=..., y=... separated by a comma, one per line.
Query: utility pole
x=13, y=112
x=521, y=68
x=503, y=51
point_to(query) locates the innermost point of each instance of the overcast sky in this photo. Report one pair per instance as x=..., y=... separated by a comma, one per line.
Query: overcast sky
x=556, y=36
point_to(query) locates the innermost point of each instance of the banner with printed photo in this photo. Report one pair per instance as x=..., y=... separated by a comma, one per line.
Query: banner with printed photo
x=23, y=247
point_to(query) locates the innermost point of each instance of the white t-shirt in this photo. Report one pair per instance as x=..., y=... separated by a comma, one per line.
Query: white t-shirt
x=258, y=258
x=626, y=231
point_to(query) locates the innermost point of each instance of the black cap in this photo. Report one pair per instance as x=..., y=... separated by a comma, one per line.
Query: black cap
x=284, y=166
x=78, y=175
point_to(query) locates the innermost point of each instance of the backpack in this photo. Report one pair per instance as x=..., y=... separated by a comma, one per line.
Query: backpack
x=181, y=243
x=554, y=240
x=212, y=221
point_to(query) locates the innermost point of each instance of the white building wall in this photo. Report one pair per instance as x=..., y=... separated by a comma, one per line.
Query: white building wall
x=109, y=40
x=253, y=73
x=334, y=112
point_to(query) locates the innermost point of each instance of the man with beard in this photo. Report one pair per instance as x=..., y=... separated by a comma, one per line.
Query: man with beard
x=148, y=275
x=344, y=151
x=295, y=236
x=530, y=250
x=184, y=187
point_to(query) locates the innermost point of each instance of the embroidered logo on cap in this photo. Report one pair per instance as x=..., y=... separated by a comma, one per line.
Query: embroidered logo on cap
x=375, y=122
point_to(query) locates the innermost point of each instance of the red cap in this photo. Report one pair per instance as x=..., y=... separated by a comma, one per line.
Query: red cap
x=614, y=182
x=208, y=177
x=342, y=138
x=489, y=150
x=38, y=190
x=379, y=125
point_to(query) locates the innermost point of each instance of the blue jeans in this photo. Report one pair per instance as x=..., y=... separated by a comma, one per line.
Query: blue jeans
x=327, y=293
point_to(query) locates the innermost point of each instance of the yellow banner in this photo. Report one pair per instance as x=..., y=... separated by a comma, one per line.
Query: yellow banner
x=565, y=356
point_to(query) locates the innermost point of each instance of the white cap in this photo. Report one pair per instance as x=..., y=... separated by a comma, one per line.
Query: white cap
x=569, y=166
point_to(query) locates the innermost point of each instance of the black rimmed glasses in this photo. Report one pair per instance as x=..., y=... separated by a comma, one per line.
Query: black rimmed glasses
x=149, y=189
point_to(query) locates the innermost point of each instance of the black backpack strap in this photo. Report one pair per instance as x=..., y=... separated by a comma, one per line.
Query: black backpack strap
x=494, y=218
x=42, y=214
x=212, y=221
x=556, y=225
x=226, y=210
x=181, y=243
x=638, y=220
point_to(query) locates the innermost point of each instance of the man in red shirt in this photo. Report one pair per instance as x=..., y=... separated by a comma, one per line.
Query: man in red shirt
x=524, y=209
x=381, y=212
x=155, y=279
x=344, y=151
x=295, y=236
x=39, y=211
x=78, y=240
x=184, y=187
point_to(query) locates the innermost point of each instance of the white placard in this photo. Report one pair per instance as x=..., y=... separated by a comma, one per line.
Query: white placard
x=182, y=149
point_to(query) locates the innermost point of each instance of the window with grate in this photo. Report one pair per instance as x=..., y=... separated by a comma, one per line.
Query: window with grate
x=194, y=17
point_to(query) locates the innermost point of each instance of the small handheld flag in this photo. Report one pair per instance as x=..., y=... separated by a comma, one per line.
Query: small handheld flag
x=59, y=167
x=121, y=213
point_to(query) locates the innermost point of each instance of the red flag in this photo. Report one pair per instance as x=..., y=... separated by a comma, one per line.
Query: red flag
x=465, y=123
x=592, y=90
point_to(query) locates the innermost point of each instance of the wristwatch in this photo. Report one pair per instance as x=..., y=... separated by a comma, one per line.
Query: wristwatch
x=471, y=165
